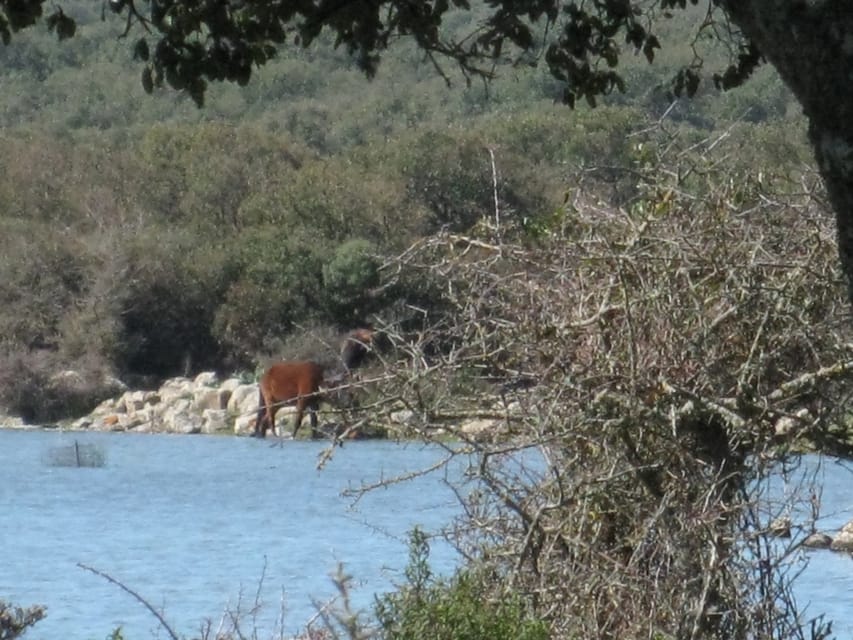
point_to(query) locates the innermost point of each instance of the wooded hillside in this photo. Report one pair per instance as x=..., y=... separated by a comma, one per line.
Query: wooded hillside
x=142, y=236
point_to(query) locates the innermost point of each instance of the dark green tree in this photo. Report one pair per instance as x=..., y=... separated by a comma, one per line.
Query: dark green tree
x=349, y=278
x=188, y=43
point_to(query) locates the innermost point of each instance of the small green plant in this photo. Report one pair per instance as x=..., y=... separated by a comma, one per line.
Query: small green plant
x=470, y=606
x=116, y=634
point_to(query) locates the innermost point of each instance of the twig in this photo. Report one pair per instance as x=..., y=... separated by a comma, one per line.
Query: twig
x=806, y=380
x=495, y=190
x=133, y=593
x=403, y=477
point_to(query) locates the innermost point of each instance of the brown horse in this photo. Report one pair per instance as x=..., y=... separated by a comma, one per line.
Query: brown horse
x=301, y=382
x=288, y=383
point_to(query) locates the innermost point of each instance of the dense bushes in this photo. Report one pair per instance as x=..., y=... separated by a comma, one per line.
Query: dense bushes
x=142, y=236
x=166, y=303
x=36, y=385
x=277, y=286
x=42, y=276
x=187, y=250
x=467, y=607
x=654, y=361
x=350, y=278
x=207, y=246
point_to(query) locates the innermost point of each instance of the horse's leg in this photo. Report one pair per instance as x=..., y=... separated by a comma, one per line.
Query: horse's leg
x=312, y=415
x=297, y=420
x=260, y=428
x=273, y=409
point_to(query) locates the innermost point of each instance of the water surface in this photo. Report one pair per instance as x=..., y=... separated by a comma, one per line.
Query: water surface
x=198, y=525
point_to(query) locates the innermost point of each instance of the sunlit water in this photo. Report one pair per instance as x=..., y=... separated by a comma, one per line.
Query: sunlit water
x=823, y=582
x=199, y=525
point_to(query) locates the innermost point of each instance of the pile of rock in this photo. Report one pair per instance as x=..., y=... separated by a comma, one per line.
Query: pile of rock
x=181, y=405
x=843, y=540
x=205, y=404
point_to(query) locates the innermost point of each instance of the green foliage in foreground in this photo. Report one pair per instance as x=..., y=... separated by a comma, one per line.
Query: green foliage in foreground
x=463, y=608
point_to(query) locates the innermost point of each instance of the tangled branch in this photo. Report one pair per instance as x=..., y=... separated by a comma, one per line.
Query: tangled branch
x=657, y=356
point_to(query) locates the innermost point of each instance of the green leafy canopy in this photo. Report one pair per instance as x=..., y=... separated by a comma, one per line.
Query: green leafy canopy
x=186, y=44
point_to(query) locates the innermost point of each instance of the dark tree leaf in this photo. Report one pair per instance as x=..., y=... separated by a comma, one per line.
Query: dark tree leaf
x=140, y=51
x=649, y=48
x=189, y=43
x=147, y=80
x=62, y=25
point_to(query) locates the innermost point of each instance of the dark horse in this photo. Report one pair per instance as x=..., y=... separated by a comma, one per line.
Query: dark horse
x=356, y=346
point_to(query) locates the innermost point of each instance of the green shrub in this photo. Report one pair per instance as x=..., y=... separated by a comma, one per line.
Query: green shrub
x=471, y=606
x=42, y=388
x=331, y=199
x=43, y=273
x=348, y=279
x=279, y=284
x=171, y=290
x=449, y=173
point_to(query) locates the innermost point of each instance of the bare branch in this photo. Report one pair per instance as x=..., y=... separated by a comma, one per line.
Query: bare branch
x=135, y=595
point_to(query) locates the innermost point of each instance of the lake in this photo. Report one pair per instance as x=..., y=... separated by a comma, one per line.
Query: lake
x=198, y=525
x=193, y=523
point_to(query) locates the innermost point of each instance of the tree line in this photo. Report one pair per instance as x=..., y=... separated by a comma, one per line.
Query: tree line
x=144, y=238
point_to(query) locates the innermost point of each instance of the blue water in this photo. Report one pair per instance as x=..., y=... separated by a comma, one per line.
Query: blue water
x=197, y=525
x=824, y=579
x=200, y=525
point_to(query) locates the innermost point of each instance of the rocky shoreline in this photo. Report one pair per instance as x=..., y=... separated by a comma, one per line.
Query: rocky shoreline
x=203, y=404
x=207, y=405
x=842, y=542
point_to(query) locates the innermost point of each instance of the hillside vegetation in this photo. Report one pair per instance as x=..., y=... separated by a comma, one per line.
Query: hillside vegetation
x=143, y=237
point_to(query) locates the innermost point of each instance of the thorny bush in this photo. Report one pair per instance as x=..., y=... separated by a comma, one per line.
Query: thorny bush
x=646, y=366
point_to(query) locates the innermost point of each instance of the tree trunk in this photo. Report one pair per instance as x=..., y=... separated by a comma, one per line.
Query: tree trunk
x=810, y=42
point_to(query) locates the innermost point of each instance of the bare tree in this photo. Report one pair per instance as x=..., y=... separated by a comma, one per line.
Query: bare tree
x=641, y=368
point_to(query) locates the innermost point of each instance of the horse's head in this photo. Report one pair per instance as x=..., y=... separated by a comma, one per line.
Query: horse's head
x=356, y=346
